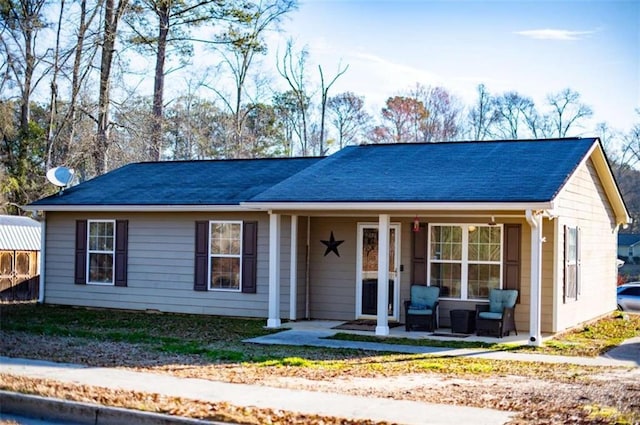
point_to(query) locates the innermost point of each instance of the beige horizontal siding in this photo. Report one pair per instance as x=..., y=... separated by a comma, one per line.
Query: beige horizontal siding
x=160, y=266
x=583, y=203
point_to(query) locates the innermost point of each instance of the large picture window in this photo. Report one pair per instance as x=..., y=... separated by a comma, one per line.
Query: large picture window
x=465, y=260
x=226, y=255
x=101, y=251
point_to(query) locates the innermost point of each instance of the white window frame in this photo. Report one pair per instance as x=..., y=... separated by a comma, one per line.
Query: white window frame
x=464, y=261
x=90, y=251
x=239, y=256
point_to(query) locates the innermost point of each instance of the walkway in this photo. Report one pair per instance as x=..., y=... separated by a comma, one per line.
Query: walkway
x=316, y=334
x=309, y=402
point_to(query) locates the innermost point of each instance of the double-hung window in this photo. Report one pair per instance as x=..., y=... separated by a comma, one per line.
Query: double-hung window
x=101, y=251
x=465, y=259
x=225, y=255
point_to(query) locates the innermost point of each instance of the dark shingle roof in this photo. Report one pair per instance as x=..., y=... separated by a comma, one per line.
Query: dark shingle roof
x=181, y=183
x=491, y=171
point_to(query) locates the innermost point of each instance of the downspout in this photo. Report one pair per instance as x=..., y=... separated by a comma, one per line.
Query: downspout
x=306, y=274
x=293, y=270
x=43, y=241
x=535, y=221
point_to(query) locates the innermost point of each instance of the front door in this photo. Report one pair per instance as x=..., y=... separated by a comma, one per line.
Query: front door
x=367, y=278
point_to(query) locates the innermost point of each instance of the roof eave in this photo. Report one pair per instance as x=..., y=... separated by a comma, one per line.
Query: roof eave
x=136, y=208
x=399, y=206
x=597, y=155
x=301, y=206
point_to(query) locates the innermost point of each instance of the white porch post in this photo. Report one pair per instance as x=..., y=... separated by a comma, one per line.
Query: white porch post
x=382, y=327
x=274, y=271
x=293, y=271
x=535, y=221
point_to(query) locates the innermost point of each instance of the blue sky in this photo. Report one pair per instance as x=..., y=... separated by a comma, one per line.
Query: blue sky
x=534, y=48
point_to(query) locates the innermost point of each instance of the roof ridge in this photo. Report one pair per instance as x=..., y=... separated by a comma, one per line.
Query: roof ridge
x=187, y=161
x=557, y=139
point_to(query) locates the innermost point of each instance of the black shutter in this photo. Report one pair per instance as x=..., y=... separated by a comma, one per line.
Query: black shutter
x=81, y=252
x=122, y=244
x=512, y=254
x=201, y=273
x=419, y=256
x=249, y=256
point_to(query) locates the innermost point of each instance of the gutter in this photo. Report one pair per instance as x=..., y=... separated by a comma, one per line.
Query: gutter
x=137, y=208
x=43, y=241
x=398, y=206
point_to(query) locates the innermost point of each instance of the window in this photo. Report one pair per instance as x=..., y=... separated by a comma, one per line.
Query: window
x=632, y=291
x=571, y=263
x=465, y=260
x=101, y=252
x=225, y=255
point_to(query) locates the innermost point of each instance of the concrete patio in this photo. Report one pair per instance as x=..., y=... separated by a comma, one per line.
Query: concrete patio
x=441, y=334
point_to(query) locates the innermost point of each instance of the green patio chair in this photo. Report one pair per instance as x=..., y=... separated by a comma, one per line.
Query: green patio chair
x=421, y=311
x=498, y=317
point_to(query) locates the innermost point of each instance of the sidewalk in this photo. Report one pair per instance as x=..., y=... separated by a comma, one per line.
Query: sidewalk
x=310, y=402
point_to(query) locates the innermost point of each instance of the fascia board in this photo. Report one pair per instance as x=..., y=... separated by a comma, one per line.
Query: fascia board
x=138, y=208
x=399, y=206
x=596, y=154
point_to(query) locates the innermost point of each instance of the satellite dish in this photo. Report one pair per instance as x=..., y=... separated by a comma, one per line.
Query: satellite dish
x=60, y=176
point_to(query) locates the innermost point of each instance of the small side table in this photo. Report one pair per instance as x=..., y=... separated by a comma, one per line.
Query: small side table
x=463, y=321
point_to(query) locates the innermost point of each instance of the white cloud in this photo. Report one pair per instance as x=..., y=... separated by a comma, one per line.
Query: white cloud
x=555, y=34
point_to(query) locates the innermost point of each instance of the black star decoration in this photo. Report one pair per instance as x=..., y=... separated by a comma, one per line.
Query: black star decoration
x=332, y=245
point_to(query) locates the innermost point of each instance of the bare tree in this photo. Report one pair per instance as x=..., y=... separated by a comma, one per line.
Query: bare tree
x=568, y=112
x=347, y=116
x=112, y=14
x=293, y=69
x=243, y=41
x=443, y=122
x=406, y=116
x=290, y=115
x=324, y=90
x=630, y=155
x=84, y=52
x=512, y=110
x=482, y=116
x=538, y=125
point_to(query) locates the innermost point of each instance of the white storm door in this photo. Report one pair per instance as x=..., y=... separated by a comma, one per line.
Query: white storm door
x=367, y=271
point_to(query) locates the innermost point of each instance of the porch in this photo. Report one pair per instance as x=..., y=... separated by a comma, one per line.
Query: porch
x=328, y=328
x=324, y=282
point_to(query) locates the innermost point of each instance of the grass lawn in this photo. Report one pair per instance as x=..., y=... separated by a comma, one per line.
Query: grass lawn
x=211, y=347
x=220, y=338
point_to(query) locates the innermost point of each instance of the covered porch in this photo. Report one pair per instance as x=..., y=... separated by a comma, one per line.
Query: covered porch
x=314, y=236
